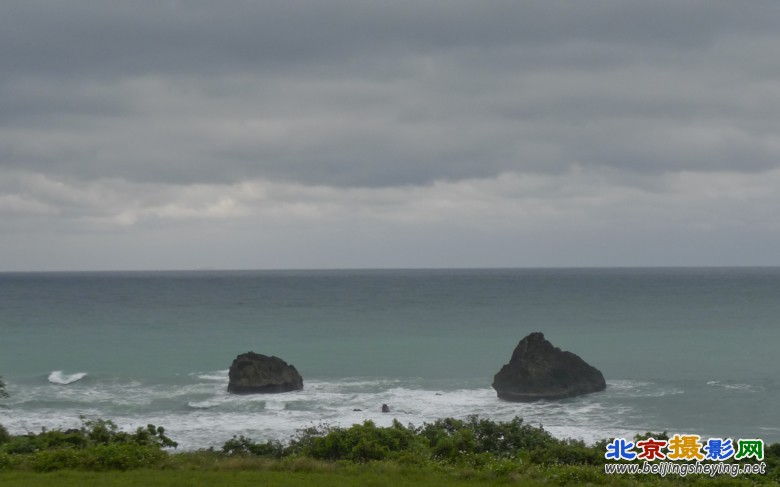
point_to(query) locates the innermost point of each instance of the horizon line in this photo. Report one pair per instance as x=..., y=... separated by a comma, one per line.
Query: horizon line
x=369, y=269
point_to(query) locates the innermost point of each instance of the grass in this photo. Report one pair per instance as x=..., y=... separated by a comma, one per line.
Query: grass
x=200, y=471
x=364, y=477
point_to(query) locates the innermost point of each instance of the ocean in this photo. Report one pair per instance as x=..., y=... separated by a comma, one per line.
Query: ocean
x=683, y=350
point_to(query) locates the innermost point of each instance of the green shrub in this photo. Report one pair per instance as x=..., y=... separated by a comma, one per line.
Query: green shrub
x=92, y=433
x=368, y=449
x=241, y=445
x=506, y=438
x=106, y=432
x=97, y=445
x=19, y=445
x=451, y=446
x=119, y=456
x=450, y=437
x=567, y=452
x=5, y=460
x=152, y=436
x=63, y=458
x=61, y=439
x=358, y=443
x=4, y=436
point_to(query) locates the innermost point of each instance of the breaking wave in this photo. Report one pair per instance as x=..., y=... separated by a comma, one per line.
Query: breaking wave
x=198, y=411
x=732, y=386
x=60, y=377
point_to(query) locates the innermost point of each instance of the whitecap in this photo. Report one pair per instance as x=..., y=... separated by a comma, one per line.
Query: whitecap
x=732, y=386
x=275, y=405
x=202, y=413
x=639, y=389
x=60, y=377
x=220, y=375
x=202, y=404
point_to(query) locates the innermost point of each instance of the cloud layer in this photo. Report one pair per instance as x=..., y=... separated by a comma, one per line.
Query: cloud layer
x=405, y=125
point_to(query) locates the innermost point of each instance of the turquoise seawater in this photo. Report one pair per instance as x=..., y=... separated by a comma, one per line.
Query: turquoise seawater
x=689, y=350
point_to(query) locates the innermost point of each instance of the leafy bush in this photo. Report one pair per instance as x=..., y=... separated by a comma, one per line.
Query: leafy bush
x=241, y=445
x=97, y=445
x=122, y=456
x=452, y=440
x=116, y=456
x=4, y=436
x=358, y=443
x=92, y=433
x=567, y=452
x=450, y=437
x=450, y=446
x=105, y=432
x=5, y=460
x=19, y=445
x=63, y=458
x=507, y=438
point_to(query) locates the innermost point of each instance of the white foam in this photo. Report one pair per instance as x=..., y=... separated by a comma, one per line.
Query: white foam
x=203, y=404
x=732, y=386
x=60, y=377
x=221, y=376
x=201, y=413
x=638, y=389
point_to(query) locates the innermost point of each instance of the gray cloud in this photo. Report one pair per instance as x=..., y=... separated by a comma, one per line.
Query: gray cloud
x=381, y=94
x=191, y=37
x=174, y=114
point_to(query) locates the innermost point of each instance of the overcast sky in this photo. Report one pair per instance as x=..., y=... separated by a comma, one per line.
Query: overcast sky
x=339, y=134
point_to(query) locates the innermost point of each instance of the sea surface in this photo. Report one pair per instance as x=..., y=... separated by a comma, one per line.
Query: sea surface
x=683, y=350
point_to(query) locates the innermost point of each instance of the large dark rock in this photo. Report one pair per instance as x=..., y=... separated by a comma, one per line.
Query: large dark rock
x=538, y=370
x=253, y=373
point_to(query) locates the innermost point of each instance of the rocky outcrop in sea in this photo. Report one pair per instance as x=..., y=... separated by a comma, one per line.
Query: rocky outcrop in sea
x=254, y=373
x=538, y=370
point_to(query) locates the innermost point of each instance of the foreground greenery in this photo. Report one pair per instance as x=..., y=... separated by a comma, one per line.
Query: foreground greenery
x=446, y=452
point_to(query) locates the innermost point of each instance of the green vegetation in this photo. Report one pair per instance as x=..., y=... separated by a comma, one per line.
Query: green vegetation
x=97, y=445
x=4, y=436
x=448, y=451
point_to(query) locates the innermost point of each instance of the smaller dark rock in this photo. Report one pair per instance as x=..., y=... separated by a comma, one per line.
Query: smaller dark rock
x=357, y=409
x=385, y=408
x=254, y=373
